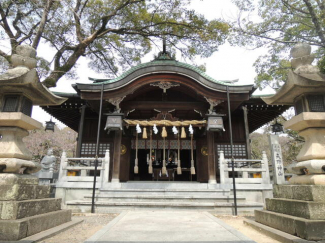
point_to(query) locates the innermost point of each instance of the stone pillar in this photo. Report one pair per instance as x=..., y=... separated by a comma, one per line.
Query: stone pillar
x=211, y=158
x=117, y=156
x=277, y=162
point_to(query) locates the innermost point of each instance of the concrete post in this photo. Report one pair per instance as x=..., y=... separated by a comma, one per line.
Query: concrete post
x=105, y=165
x=222, y=168
x=265, y=167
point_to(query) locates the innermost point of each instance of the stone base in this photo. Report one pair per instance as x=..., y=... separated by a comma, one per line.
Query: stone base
x=303, y=228
x=300, y=192
x=21, y=187
x=25, y=209
x=28, y=208
x=12, y=230
x=297, y=210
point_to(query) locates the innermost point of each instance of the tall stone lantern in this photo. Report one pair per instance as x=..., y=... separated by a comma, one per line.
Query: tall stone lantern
x=305, y=90
x=25, y=208
x=299, y=208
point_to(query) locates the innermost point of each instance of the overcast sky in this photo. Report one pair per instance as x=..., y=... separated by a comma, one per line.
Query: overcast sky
x=228, y=63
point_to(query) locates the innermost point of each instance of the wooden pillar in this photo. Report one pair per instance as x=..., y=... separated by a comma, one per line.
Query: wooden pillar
x=248, y=144
x=211, y=158
x=117, y=156
x=81, y=130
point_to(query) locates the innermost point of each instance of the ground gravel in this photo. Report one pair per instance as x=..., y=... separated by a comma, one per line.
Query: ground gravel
x=238, y=223
x=81, y=232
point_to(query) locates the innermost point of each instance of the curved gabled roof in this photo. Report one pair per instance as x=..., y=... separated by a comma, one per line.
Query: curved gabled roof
x=158, y=63
x=163, y=66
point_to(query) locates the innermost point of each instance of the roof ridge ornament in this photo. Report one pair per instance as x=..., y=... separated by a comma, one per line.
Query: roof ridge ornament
x=164, y=54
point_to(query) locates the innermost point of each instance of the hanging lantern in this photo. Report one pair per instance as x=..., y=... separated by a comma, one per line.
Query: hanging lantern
x=114, y=122
x=50, y=125
x=277, y=127
x=215, y=122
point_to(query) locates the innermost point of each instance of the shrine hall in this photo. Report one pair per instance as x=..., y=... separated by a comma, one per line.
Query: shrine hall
x=163, y=121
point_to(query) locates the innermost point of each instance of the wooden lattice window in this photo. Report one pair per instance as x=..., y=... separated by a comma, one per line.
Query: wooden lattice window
x=89, y=149
x=239, y=150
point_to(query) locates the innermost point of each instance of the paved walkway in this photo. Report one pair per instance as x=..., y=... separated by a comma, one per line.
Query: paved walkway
x=167, y=226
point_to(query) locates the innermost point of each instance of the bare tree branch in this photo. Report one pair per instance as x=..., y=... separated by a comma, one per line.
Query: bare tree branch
x=315, y=21
x=42, y=24
x=7, y=29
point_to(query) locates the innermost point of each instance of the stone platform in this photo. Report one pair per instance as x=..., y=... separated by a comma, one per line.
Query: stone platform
x=25, y=207
x=296, y=209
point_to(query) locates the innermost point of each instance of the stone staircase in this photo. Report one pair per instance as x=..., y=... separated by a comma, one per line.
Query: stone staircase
x=168, y=196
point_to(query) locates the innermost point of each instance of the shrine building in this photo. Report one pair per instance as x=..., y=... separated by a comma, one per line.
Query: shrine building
x=165, y=124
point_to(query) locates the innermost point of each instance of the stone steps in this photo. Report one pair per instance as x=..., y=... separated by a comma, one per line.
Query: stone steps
x=163, y=195
x=167, y=185
x=173, y=192
x=163, y=198
x=107, y=206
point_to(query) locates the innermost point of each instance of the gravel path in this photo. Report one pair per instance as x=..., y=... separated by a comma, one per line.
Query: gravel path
x=81, y=232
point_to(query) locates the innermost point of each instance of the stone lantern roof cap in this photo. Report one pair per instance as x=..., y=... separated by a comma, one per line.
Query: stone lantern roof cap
x=303, y=79
x=23, y=79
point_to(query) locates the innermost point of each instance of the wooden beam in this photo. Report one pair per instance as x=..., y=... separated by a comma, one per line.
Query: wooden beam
x=117, y=156
x=80, y=131
x=164, y=105
x=248, y=144
x=211, y=157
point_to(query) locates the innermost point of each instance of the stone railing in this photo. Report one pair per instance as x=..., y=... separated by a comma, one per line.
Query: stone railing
x=245, y=170
x=84, y=165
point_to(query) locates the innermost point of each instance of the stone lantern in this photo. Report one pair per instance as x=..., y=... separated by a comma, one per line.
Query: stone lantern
x=25, y=208
x=300, y=205
x=305, y=89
